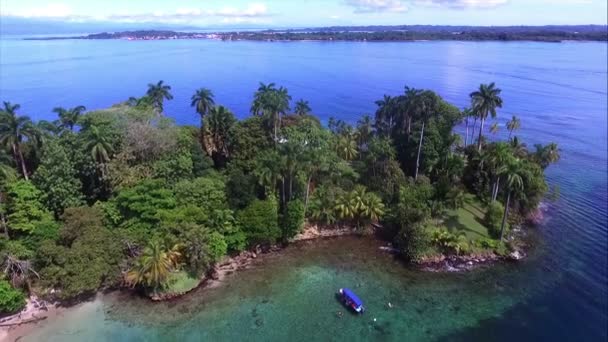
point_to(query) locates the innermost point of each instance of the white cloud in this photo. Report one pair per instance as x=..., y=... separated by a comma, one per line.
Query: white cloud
x=462, y=3
x=48, y=11
x=370, y=6
x=180, y=15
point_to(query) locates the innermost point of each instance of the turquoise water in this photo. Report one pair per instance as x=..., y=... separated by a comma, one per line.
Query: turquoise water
x=560, y=92
x=290, y=296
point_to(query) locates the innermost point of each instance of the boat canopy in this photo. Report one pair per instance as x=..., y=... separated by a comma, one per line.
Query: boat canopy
x=352, y=297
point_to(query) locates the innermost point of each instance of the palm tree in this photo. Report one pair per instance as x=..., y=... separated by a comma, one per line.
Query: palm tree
x=427, y=103
x=68, y=118
x=97, y=144
x=385, y=115
x=498, y=158
x=154, y=265
x=520, y=150
x=513, y=174
x=13, y=129
x=546, y=155
x=203, y=101
x=346, y=205
x=157, y=93
x=272, y=103
x=216, y=132
x=302, y=107
x=475, y=116
x=513, y=125
x=466, y=113
x=364, y=130
x=494, y=128
x=409, y=108
x=485, y=101
x=346, y=147
x=372, y=207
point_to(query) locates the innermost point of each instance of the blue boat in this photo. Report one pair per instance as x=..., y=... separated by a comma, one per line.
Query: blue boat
x=350, y=299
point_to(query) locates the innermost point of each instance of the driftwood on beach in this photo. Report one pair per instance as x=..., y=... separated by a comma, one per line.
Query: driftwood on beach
x=25, y=321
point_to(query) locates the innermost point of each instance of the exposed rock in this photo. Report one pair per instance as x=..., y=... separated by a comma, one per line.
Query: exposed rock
x=517, y=255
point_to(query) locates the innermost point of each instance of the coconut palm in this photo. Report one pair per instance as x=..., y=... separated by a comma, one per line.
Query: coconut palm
x=154, y=265
x=157, y=93
x=427, y=108
x=372, y=207
x=13, y=130
x=514, y=175
x=68, y=118
x=520, y=150
x=98, y=145
x=408, y=108
x=346, y=147
x=385, y=115
x=494, y=128
x=513, y=125
x=346, y=205
x=485, y=101
x=546, y=155
x=302, y=107
x=203, y=101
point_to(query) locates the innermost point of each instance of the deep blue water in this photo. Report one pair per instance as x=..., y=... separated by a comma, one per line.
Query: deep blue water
x=559, y=91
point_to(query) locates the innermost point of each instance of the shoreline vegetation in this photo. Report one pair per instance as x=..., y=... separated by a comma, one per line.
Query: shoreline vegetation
x=376, y=34
x=123, y=198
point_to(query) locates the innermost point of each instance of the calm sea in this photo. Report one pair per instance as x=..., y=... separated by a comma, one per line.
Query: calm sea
x=559, y=91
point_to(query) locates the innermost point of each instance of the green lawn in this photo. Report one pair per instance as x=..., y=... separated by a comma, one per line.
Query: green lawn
x=468, y=219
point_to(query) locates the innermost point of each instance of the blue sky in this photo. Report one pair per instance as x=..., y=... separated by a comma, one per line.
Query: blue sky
x=304, y=13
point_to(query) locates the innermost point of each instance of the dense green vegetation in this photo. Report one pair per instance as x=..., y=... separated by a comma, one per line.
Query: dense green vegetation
x=124, y=197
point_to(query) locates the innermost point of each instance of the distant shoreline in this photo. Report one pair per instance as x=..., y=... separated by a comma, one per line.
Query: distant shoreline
x=370, y=34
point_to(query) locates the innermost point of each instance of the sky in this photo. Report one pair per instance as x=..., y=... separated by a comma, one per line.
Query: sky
x=309, y=13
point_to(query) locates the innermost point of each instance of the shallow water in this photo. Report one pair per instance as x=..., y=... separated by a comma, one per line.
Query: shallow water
x=290, y=296
x=560, y=92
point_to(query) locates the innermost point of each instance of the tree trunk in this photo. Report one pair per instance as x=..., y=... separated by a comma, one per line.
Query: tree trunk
x=497, y=187
x=19, y=159
x=419, y=149
x=473, y=130
x=504, y=217
x=466, y=136
x=480, y=134
x=4, y=225
x=307, y=193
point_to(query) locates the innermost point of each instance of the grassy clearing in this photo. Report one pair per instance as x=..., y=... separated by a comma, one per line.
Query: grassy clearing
x=468, y=219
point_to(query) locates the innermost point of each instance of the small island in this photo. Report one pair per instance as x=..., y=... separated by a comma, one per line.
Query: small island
x=403, y=33
x=123, y=198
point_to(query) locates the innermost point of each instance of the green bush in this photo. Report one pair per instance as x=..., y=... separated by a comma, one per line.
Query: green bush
x=260, y=221
x=412, y=241
x=493, y=218
x=293, y=220
x=11, y=300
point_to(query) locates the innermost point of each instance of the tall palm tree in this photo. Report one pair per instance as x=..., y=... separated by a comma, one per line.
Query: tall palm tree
x=475, y=116
x=485, y=101
x=203, y=101
x=513, y=125
x=302, y=107
x=13, y=130
x=272, y=103
x=498, y=158
x=216, y=133
x=467, y=113
x=157, y=93
x=98, y=145
x=364, y=130
x=385, y=115
x=409, y=108
x=427, y=103
x=68, y=118
x=513, y=174
x=154, y=265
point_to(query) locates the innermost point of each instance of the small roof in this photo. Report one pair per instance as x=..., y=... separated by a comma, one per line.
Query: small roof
x=352, y=296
